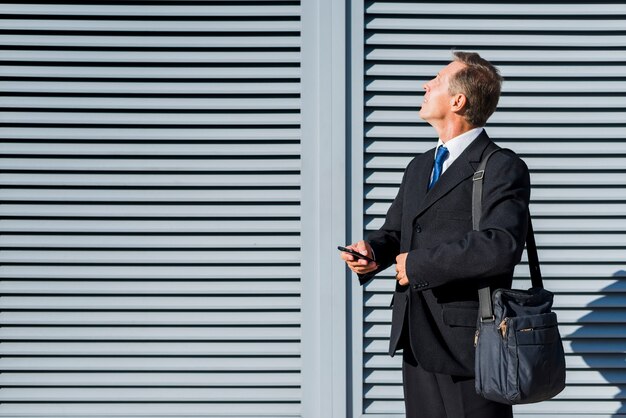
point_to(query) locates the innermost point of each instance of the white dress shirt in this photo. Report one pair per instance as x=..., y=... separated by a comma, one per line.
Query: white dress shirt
x=456, y=146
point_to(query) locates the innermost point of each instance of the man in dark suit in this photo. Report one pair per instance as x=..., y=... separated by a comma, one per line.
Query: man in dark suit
x=440, y=261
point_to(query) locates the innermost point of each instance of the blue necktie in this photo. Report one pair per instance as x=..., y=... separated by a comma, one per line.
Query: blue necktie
x=442, y=154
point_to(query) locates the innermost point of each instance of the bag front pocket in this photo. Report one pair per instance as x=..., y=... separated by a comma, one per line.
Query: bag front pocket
x=539, y=352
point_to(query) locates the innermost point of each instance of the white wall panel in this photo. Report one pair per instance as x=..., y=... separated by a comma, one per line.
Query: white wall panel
x=151, y=209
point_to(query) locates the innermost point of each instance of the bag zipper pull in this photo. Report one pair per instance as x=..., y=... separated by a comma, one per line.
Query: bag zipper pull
x=503, y=327
x=476, y=337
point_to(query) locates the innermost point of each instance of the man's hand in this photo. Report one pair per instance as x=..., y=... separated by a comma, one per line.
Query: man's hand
x=401, y=277
x=359, y=265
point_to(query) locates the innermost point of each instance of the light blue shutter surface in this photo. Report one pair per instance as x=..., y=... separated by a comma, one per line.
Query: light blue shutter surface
x=150, y=212
x=563, y=110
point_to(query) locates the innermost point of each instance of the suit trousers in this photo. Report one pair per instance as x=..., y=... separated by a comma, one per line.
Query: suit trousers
x=434, y=395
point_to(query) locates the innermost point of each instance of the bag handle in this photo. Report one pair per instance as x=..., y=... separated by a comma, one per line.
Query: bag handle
x=484, y=292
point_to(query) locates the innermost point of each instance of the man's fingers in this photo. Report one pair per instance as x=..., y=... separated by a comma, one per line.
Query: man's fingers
x=346, y=256
x=360, y=247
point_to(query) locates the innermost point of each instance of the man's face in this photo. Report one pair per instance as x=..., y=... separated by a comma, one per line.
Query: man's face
x=437, y=100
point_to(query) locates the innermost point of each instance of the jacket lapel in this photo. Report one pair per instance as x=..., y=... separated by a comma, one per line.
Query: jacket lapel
x=462, y=168
x=419, y=189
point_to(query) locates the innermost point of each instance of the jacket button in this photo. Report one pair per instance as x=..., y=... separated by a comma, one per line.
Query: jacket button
x=415, y=286
x=418, y=228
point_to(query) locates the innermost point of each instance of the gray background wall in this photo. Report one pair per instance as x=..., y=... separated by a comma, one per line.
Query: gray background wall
x=176, y=177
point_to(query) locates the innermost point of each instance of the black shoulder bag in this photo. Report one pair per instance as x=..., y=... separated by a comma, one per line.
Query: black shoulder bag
x=519, y=353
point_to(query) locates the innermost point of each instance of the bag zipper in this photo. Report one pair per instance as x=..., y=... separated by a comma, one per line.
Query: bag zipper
x=476, y=337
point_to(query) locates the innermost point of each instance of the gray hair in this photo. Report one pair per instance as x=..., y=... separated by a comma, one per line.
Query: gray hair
x=480, y=82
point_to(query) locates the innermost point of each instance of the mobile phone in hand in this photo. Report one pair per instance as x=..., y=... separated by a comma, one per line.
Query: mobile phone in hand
x=354, y=253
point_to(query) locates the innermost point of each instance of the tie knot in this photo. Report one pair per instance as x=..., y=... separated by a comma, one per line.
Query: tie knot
x=442, y=154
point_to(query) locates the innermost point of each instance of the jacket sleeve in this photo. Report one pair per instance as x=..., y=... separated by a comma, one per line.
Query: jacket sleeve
x=497, y=247
x=386, y=241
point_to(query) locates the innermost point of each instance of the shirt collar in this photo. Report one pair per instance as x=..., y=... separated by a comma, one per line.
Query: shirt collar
x=458, y=144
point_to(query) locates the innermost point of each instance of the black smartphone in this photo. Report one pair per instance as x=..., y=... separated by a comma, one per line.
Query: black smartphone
x=354, y=253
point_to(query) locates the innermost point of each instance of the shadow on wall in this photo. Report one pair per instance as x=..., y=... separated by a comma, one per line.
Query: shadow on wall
x=599, y=344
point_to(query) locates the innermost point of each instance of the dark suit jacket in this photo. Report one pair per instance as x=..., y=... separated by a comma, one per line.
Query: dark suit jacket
x=447, y=260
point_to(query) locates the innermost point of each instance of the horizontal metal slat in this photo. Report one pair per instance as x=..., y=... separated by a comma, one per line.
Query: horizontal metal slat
x=152, y=334
x=474, y=24
x=157, y=149
x=152, y=118
x=575, y=407
x=242, y=348
x=160, y=180
x=137, y=303
x=498, y=55
x=89, y=273
x=149, y=318
x=145, y=287
x=162, y=103
x=485, y=9
x=151, y=257
x=212, y=57
x=183, y=166
x=44, y=394
x=151, y=134
x=222, y=25
x=133, y=72
x=165, y=211
x=149, y=380
x=116, y=365
x=154, y=10
x=152, y=226
x=118, y=41
x=140, y=88
x=529, y=40
x=156, y=409
x=95, y=195
x=156, y=241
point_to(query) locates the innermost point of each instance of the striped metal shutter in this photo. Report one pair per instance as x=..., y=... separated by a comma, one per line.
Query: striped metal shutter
x=150, y=225
x=562, y=110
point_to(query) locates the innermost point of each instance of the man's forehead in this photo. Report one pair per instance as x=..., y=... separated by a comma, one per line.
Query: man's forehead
x=451, y=68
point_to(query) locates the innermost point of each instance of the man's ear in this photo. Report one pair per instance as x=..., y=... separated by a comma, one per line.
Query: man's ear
x=458, y=102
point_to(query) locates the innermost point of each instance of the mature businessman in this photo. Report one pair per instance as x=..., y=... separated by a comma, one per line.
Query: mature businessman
x=440, y=261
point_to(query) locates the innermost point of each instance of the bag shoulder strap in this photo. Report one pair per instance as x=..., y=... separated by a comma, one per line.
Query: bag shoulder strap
x=484, y=293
